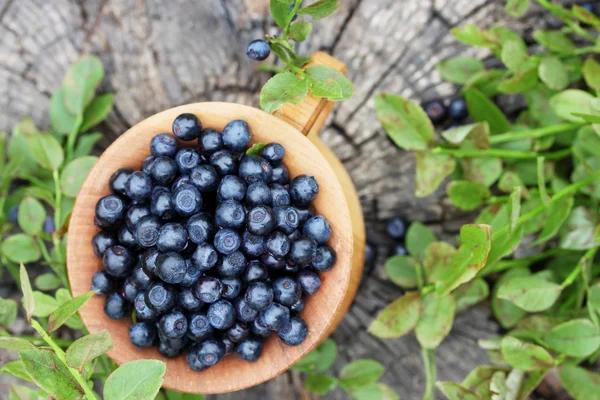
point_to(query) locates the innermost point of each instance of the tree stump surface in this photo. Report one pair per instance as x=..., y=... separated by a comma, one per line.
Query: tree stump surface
x=159, y=54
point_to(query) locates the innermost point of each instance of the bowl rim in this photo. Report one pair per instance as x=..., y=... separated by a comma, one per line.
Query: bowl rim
x=337, y=281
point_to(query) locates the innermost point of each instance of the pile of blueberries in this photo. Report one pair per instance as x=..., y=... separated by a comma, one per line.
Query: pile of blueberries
x=212, y=247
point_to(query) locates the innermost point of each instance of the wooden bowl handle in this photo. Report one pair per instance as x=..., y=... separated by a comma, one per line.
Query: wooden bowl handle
x=309, y=116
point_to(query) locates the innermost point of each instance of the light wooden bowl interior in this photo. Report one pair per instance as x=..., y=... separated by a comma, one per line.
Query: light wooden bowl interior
x=322, y=310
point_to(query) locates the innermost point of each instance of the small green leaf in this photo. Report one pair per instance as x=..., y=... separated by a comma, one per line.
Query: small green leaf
x=401, y=271
x=320, y=8
x=571, y=101
x=576, y=338
x=579, y=231
x=85, y=144
x=63, y=121
x=557, y=215
x=374, y=391
x=28, y=300
x=505, y=243
x=509, y=180
x=486, y=81
x=432, y=169
x=74, y=174
x=46, y=150
x=80, y=83
x=8, y=312
x=300, y=30
x=484, y=170
x=329, y=83
x=530, y=383
x=85, y=349
x=531, y=293
x=97, y=111
x=553, y=73
x=15, y=343
x=437, y=260
x=280, y=9
x=516, y=8
x=327, y=355
x=579, y=382
x=44, y=304
x=256, y=149
x=361, y=373
x=405, y=122
x=139, y=379
x=460, y=69
x=520, y=82
x=514, y=55
x=454, y=391
x=514, y=207
x=18, y=392
x=505, y=311
x=398, y=318
x=525, y=356
x=477, y=134
x=538, y=100
x=66, y=310
x=470, y=293
x=282, y=88
x=418, y=237
x=48, y=281
x=16, y=369
x=31, y=216
x=483, y=109
x=20, y=248
x=467, y=195
x=435, y=320
x=472, y=35
x=498, y=385
x=320, y=384
x=591, y=73
x=554, y=40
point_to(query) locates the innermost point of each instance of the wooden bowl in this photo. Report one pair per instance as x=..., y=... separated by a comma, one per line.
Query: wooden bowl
x=323, y=310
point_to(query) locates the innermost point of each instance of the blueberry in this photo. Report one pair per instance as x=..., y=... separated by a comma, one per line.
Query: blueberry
x=258, y=329
x=149, y=261
x=232, y=187
x=258, y=194
x=187, y=200
x=280, y=196
x=161, y=205
x=230, y=214
x=173, y=325
x=273, y=153
x=294, y=332
x=236, y=135
x=232, y=265
x=115, y=306
x=142, y=311
x=259, y=295
x=303, y=190
x=232, y=288
x=224, y=162
x=198, y=327
x=192, y=274
x=117, y=181
x=260, y=220
x=142, y=334
x=160, y=297
x=170, y=267
x=118, y=261
x=278, y=244
x=193, y=360
x=396, y=228
x=102, y=241
x=304, y=214
x=303, y=251
x=275, y=316
x=295, y=17
x=318, y=229
x=140, y=277
x=187, y=301
x=204, y=257
x=325, y=259
x=258, y=50
x=129, y=290
x=163, y=170
x=369, y=253
x=229, y=345
x=110, y=211
x=187, y=127
x=200, y=228
x=286, y=219
x=13, y=214
x=458, y=109
x=181, y=180
x=238, y=332
x=205, y=178
x=255, y=169
x=308, y=281
x=253, y=245
x=280, y=175
x=436, y=111
x=211, y=352
x=254, y=272
x=127, y=239
x=102, y=282
x=210, y=141
x=297, y=234
x=271, y=262
x=134, y=214
x=139, y=185
x=208, y=289
x=297, y=306
x=227, y=241
x=146, y=231
x=244, y=312
x=221, y=314
x=400, y=250
x=186, y=160
x=170, y=352
x=163, y=144
x=286, y=291
x=147, y=164
x=291, y=268
x=172, y=237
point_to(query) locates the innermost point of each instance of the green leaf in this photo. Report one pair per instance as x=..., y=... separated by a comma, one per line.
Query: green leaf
x=485, y=171
x=18, y=392
x=19, y=149
x=454, y=391
x=320, y=8
x=516, y=8
x=591, y=73
x=435, y=320
x=15, y=343
x=530, y=383
x=531, y=293
x=374, y=391
x=472, y=35
x=460, y=69
x=280, y=9
x=97, y=111
x=320, y=384
x=85, y=349
x=401, y=271
x=328, y=83
x=483, y=109
x=46, y=150
x=405, y=122
x=65, y=311
x=31, y=216
x=432, y=169
x=418, y=237
x=299, y=31
x=74, y=174
x=437, y=259
x=579, y=231
x=80, y=83
x=576, y=338
x=49, y=373
x=44, y=304
x=585, y=16
x=283, y=88
x=571, y=101
x=327, y=354
x=28, y=299
x=48, y=281
x=16, y=369
x=256, y=149
x=477, y=134
x=554, y=40
x=593, y=298
x=62, y=120
x=398, y=318
x=486, y=81
x=85, y=144
x=525, y=356
x=538, y=100
x=361, y=373
x=520, y=82
x=470, y=293
x=557, y=215
x=579, y=382
x=467, y=195
x=20, y=248
x=8, y=312
x=514, y=55
x=514, y=207
x=139, y=379
x=504, y=244
x=553, y=73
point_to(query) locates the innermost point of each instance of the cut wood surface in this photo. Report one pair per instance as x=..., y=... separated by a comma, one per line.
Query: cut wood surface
x=160, y=54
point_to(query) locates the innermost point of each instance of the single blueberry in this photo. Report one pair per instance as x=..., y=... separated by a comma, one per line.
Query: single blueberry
x=258, y=50
x=163, y=144
x=138, y=186
x=259, y=295
x=187, y=301
x=192, y=274
x=273, y=153
x=172, y=237
x=400, y=250
x=230, y=214
x=232, y=187
x=186, y=160
x=303, y=190
x=140, y=277
x=436, y=111
x=187, y=127
x=286, y=291
x=253, y=245
x=260, y=220
x=115, y=306
x=244, y=312
x=221, y=314
x=255, y=169
x=303, y=251
x=280, y=175
x=161, y=205
x=127, y=239
x=159, y=297
x=204, y=257
x=142, y=311
x=271, y=262
x=325, y=259
x=232, y=265
x=173, y=325
x=258, y=194
x=110, y=212
x=396, y=228
x=193, y=359
x=134, y=214
x=254, y=272
x=258, y=329
x=102, y=282
x=286, y=219
x=102, y=241
x=181, y=180
x=317, y=228
x=170, y=267
x=163, y=171
x=458, y=110
x=227, y=241
x=298, y=306
x=200, y=228
x=224, y=162
x=117, y=181
x=129, y=290
x=278, y=244
x=13, y=214
x=232, y=288
x=142, y=334
x=294, y=332
x=187, y=200
x=146, y=231
x=275, y=316
x=236, y=135
x=149, y=261
x=280, y=196
x=198, y=327
x=205, y=178
x=210, y=141
x=118, y=261
x=308, y=281
x=238, y=332
x=250, y=349
x=208, y=289
x=211, y=352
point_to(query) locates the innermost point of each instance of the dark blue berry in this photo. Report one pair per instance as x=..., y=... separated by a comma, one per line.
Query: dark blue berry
x=436, y=111
x=200, y=228
x=236, y=135
x=170, y=267
x=163, y=144
x=192, y=273
x=271, y=262
x=127, y=239
x=142, y=311
x=275, y=316
x=400, y=250
x=258, y=194
x=258, y=329
x=187, y=301
x=227, y=241
x=187, y=127
x=139, y=186
x=193, y=360
x=232, y=187
x=297, y=234
x=273, y=153
x=142, y=334
x=396, y=228
x=253, y=245
x=298, y=306
x=205, y=178
x=255, y=169
x=258, y=50
x=110, y=212
x=221, y=314
x=102, y=282
x=211, y=352
x=149, y=261
x=204, y=257
x=130, y=290
x=13, y=214
x=173, y=325
x=102, y=241
x=208, y=289
x=118, y=261
x=294, y=332
x=238, y=332
x=168, y=351
x=134, y=214
x=172, y=237
x=291, y=268
x=303, y=251
x=163, y=171
x=160, y=297
x=325, y=259
x=308, y=281
x=161, y=205
x=147, y=164
x=250, y=349
x=146, y=231
x=286, y=219
x=224, y=162
x=278, y=244
x=286, y=291
x=259, y=295
x=280, y=175
x=232, y=288
x=369, y=254
x=304, y=214
x=229, y=345
x=115, y=306
x=280, y=196
x=244, y=312
x=303, y=190
x=181, y=180
x=210, y=141
x=186, y=160
x=458, y=110
x=117, y=181
x=140, y=277
x=232, y=265
x=318, y=229
x=254, y=272
x=230, y=214
x=199, y=328
x=187, y=200
x=260, y=220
